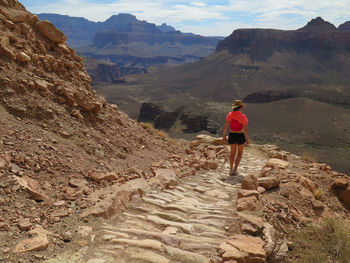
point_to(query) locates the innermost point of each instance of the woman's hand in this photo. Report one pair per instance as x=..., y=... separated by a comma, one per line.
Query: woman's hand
x=224, y=138
x=247, y=142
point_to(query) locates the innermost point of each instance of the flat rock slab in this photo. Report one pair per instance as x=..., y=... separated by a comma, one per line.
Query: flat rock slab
x=243, y=249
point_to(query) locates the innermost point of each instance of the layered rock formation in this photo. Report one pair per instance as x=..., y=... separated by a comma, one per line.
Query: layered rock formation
x=102, y=71
x=318, y=37
x=132, y=43
x=58, y=139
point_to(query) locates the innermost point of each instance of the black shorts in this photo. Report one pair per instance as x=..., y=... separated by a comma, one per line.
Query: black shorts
x=236, y=138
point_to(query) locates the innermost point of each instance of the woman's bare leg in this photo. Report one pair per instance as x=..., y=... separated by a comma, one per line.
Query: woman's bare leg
x=239, y=156
x=233, y=154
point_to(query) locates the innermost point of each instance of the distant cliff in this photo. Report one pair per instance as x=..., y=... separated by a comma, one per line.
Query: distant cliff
x=318, y=36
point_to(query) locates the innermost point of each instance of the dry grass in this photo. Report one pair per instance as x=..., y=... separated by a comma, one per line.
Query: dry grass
x=161, y=133
x=318, y=194
x=147, y=125
x=309, y=156
x=327, y=242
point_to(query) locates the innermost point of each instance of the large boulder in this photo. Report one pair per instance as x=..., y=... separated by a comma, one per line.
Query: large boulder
x=268, y=182
x=51, y=32
x=345, y=196
x=250, y=182
x=250, y=203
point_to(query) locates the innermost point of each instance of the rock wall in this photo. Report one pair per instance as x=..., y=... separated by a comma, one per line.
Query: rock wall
x=317, y=37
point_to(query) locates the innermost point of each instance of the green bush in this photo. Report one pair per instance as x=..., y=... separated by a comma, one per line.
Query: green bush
x=327, y=242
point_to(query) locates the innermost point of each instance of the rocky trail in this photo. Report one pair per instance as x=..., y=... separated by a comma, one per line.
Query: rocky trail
x=184, y=224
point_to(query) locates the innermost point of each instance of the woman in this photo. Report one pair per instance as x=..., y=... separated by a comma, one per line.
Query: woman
x=238, y=135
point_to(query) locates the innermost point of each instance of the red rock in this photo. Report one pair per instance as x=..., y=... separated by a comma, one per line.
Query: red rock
x=249, y=182
x=345, y=196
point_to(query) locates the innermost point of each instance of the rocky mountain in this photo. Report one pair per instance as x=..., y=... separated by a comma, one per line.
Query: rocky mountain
x=102, y=71
x=274, y=68
x=59, y=141
x=71, y=165
x=166, y=28
x=345, y=26
x=131, y=43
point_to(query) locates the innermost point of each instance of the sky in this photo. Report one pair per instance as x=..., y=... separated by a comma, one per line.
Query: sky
x=204, y=17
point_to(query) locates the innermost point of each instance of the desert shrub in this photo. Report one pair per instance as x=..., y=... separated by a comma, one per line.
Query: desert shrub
x=147, y=125
x=327, y=242
x=318, y=194
x=162, y=134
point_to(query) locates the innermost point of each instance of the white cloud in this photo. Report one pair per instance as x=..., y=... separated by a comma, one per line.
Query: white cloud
x=207, y=17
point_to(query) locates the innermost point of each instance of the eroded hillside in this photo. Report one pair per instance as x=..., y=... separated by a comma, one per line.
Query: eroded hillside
x=59, y=141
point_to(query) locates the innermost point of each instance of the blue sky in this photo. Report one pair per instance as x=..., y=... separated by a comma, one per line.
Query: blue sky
x=204, y=17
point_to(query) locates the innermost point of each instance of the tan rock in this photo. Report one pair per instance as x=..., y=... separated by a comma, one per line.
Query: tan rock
x=6, y=52
x=278, y=155
x=250, y=182
x=32, y=187
x=278, y=163
x=115, y=198
x=23, y=57
x=51, y=32
x=42, y=84
x=261, y=190
x=268, y=182
x=269, y=237
x=207, y=139
x=25, y=224
x=217, y=193
x=3, y=163
x=250, y=224
x=4, y=225
x=80, y=183
x=164, y=178
x=100, y=177
x=337, y=182
x=39, y=242
x=246, y=193
x=243, y=249
x=250, y=203
x=307, y=183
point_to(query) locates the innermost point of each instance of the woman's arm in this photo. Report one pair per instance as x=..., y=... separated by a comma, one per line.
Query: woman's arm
x=227, y=122
x=245, y=127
